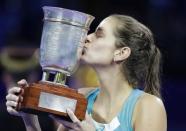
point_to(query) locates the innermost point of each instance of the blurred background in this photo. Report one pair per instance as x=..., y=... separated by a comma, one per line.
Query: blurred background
x=20, y=34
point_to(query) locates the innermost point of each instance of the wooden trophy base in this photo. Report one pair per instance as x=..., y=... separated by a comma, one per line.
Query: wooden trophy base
x=48, y=98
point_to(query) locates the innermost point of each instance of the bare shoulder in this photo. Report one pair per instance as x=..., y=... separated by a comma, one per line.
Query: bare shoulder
x=85, y=90
x=147, y=100
x=150, y=114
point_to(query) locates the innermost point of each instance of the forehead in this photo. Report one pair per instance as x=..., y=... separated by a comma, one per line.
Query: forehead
x=107, y=24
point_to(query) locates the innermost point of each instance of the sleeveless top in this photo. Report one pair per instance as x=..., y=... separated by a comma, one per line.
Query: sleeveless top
x=123, y=121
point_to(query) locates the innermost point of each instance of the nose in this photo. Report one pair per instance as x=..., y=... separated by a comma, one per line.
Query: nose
x=87, y=40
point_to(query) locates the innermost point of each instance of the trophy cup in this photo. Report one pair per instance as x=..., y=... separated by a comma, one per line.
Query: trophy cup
x=63, y=32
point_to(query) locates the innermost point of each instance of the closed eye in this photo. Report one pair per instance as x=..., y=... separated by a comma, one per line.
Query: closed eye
x=99, y=32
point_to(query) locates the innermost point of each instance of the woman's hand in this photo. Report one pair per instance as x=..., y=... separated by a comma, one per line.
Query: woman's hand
x=13, y=103
x=76, y=125
x=14, y=98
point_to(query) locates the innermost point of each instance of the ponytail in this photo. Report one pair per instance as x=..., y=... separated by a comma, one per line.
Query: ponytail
x=152, y=80
x=142, y=67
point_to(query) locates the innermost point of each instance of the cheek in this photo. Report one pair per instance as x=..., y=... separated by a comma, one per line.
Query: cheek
x=103, y=45
x=101, y=52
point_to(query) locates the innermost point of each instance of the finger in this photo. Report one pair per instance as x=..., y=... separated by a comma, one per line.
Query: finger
x=12, y=111
x=20, y=99
x=23, y=83
x=72, y=116
x=66, y=124
x=14, y=90
x=12, y=97
x=71, y=126
x=88, y=117
x=11, y=104
x=18, y=107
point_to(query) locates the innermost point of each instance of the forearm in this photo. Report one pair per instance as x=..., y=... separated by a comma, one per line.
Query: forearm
x=31, y=122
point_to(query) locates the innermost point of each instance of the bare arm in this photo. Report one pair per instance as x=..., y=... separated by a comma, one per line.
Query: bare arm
x=149, y=114
x=31, y=122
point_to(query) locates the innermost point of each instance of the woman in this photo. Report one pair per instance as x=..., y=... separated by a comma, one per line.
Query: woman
x=125, y=58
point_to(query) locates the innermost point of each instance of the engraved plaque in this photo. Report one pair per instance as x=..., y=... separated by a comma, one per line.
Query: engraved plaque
x=56, y=102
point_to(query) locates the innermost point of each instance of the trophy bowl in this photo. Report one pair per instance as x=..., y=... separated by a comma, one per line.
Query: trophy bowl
x=63, y=33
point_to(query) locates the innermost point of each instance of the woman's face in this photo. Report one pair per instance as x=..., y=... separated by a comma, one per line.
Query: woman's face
x=100, y=45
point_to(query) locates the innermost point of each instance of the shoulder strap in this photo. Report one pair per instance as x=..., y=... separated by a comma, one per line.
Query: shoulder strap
x=91, y=98
x=125, y=116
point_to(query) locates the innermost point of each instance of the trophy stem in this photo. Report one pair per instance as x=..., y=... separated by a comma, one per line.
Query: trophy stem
x=45, y=76
x=54, y=77
x=60, y=78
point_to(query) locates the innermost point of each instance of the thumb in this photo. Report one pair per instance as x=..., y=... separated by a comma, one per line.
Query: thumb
x=22, y=83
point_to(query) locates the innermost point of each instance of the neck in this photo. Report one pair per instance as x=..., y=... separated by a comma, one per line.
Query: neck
x=114, y=85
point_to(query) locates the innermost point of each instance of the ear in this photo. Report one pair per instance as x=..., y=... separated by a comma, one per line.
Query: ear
x=121, y=54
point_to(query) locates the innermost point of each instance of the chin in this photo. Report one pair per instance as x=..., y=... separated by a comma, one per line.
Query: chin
x=83, y=60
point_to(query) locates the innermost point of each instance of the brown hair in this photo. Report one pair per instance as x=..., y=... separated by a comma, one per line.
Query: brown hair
x=142, y=68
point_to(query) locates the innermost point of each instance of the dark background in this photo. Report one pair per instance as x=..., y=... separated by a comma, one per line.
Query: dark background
x=21, y=20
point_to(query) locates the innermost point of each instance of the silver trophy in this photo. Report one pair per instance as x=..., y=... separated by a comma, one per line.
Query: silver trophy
x=64, y=32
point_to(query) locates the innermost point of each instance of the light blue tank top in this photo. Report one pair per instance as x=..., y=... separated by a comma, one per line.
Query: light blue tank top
x=124, y=116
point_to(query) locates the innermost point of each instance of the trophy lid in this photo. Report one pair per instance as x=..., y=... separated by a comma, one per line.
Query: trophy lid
x=67, y=16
